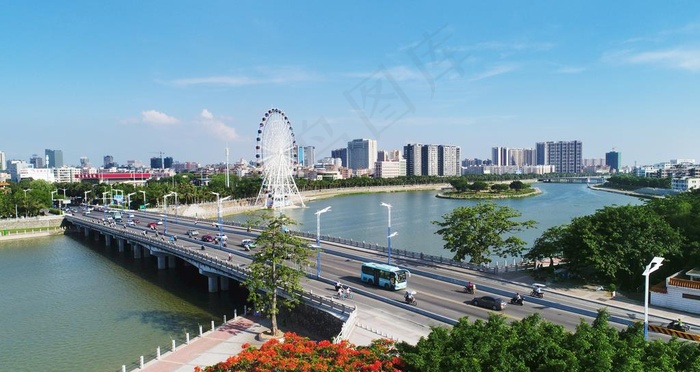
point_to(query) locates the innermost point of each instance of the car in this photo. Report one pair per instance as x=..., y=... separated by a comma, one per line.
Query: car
x=221, y=236
x=131, y=215
x=131, y=223
x=248, y=244
x=489, y=302
x=192, y=232
x=207, y=238
x=160, y=222
x=152, y=225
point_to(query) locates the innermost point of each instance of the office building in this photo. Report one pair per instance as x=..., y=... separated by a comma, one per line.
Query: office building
x=3, y=160
x=55, y=158
x=341, y=154
x=37, y=161
x=499, y=156
x=84, y=162
x=362, y=154
x=108, y=162
x=390, y=169
x=613, y=159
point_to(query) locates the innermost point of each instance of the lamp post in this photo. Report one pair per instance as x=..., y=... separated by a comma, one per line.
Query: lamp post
x=25, y=202
x=165, y=212
x=218, y=214
x=318, y=239
x=53, y=192
x=651, y=267
x=104, y=203
x=144, y=197
x=388, y=232
x=85, y=194
x=176, y=204
x=64, y=192
x=128, y=199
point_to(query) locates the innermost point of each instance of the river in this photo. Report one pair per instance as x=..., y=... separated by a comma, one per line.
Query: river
x=70, y=304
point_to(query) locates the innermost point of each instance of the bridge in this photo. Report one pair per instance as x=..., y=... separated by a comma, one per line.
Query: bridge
x=439, y=282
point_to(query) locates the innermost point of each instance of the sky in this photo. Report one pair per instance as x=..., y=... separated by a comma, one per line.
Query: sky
x=132, y=79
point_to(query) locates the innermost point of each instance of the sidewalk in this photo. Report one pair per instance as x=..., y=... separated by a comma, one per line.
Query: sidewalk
x=602, y=297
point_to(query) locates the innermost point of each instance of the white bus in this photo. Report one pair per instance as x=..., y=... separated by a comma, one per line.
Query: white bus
x=384, y=275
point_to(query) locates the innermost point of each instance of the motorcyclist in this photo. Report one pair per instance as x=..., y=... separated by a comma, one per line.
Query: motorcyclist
x=517, y=297
x=409, y=296
x=470, y=287
x=538, y=291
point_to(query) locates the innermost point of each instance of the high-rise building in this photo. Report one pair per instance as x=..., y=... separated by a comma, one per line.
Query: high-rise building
x=362, y=153
x=382, y=155
x=341, y=154
x=84, y=162
x=37, y=161
x=449, y=160
x=566, y=156
x=429, y=160
x=108, y=161
x=499, y=156
x=541, y=153
x=309, y=158
x=55, y=158
x=613, y=159
x=156, y=163
x=412, y=154
x=3, y=165
x=168, y=162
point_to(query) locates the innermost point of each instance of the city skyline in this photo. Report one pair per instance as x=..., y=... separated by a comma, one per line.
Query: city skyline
x=135, y=79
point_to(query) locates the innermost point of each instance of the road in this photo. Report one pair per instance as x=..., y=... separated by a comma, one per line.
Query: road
x=439, y=288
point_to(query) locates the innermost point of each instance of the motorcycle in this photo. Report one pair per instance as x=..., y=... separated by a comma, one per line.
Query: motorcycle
x=517, y=301
x=470, y=289
x=410, y=298
x=537, y=294
x=678, y=326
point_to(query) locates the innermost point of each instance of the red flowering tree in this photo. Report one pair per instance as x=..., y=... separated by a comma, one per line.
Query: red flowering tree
x=298, y=353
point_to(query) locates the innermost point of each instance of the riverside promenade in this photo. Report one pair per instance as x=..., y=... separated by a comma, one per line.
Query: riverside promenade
x=371, y=323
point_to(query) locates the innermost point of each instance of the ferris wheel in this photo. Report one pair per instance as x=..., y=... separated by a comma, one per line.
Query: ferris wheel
x=276, y=155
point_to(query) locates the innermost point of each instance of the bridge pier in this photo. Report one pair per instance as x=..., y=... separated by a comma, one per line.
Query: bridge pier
x=213, y=280
x=86, y=232
x=146, y=252
x=137, y=251
x=171, y=262
x=120, y=244
x=224, y=283
x=97, y=236
x=162, y=263
x=108, y=240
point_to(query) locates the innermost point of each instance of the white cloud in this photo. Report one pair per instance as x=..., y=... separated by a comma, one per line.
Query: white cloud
x=217, y=126
x=157, y=118
x=263, y=76
x=678, y=58
x=570, y=70
x=398, y=73
x=494, y=71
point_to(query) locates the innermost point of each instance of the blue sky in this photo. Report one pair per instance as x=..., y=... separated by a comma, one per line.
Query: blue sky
x=132, y=78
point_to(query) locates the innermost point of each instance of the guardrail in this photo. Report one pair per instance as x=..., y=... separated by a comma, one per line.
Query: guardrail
x=496, y=269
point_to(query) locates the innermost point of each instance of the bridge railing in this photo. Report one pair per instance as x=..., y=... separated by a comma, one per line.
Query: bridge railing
x=223, y=266
x=496, y=268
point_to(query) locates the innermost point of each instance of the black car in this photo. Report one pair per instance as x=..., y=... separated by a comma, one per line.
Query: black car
x=489, y=302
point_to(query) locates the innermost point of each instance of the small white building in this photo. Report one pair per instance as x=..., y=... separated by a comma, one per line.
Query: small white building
x=681, y=291
x=685, y=183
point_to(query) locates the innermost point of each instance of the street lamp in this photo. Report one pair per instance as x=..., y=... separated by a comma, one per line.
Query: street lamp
x=176, y=204
x=654, y=265
x=85, y=194
x=318, y=239
x=218, y=213
x=64, y=193
x=53, y=192
x=165, y=211
x=388, y=232
x=144, y=197
x=128, y=199
x=25, y=202
x=104, y=203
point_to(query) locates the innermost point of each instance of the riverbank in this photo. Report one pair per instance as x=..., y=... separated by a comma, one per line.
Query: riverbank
x=329, y=193
x=625, y=192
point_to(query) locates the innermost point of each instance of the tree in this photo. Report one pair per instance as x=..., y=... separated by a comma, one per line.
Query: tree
x=478, y=232
x=549, y=245
x=616, y=243
x=500, y=187
x=270, y=272
x=479, y=186
x=518, y=185
x=301, y=354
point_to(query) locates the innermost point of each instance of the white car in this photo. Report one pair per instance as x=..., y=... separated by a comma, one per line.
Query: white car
x=222, y=236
